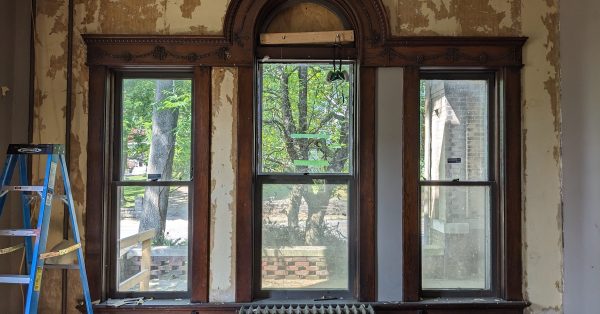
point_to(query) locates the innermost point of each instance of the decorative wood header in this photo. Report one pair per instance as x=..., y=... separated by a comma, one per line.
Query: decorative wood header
x=139, y=50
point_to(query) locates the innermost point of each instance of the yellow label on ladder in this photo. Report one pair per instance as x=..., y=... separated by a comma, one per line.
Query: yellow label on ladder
x=61, y=252
x=11, y=249
x=52, y=178
x=38, y=278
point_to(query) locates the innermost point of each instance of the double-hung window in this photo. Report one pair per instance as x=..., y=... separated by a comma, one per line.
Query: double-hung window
x=305, y=180
x=459, y=173
x=151, y=184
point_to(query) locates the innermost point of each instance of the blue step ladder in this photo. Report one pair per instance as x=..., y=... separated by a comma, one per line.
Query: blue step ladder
x=35, y=252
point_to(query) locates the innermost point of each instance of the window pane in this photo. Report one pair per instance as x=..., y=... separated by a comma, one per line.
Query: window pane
x=455, y=237
x=304, y=236
x=156, y=130
x=306, y=118
x=454, y=130
x=153, y=237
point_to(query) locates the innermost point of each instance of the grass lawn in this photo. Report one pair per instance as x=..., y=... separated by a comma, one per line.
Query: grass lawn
x=131, y=192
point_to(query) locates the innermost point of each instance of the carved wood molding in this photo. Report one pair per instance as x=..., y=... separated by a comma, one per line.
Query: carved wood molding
x=410, y=51
x=446, y=56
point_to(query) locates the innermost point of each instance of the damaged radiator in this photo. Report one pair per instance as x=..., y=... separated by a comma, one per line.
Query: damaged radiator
x=308, y=309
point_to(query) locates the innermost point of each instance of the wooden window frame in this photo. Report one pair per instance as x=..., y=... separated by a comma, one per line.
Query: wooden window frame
x=494, y=163
x=100, y=218
x=506, y=240
x=351, y=179
x=115, y=182
x=374, y=47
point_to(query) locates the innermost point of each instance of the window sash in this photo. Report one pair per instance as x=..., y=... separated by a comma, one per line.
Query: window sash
x=494, y=165
x=352, y=119
x=117, y=182
x=352, y=225
x=265, y=177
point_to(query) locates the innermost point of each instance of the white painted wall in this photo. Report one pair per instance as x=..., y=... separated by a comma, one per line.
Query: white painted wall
x=389, y=183
x=580, y=53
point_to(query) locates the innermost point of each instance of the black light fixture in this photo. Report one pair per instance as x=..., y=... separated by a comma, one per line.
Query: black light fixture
x=337, y=74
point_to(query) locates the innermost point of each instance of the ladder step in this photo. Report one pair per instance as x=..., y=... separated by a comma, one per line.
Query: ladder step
x=20, y=232
x=17, y=279
x=35, y=149
x=22, y=188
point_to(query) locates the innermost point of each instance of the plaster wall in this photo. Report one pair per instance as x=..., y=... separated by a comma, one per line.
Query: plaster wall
x=389, y=182
x=537, y=19
x=223, y=172
x=581, y=151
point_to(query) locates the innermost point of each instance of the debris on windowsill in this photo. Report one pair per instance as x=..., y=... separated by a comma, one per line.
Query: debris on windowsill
x=122, y=302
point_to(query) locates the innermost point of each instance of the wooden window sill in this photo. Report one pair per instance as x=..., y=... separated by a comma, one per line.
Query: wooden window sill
x=433, y=306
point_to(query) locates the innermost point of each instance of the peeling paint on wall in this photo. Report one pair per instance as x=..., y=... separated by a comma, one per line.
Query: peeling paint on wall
x=4, y=90
x=223, y=174
x=49, y=118
x=543, y=261
x=454, y=17
x=200, y=17
x=305, y=17
x=204, y=17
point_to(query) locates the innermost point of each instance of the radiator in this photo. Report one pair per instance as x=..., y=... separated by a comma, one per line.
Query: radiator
x=308, y=309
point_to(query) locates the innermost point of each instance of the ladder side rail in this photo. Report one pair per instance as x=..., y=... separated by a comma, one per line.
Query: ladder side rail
x=37, y=264
x=76, y=236
x=9, y=167
x=26, y=209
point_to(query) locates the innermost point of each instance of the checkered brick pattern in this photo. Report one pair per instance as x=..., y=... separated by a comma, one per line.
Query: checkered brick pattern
x=299, y=267
x=173, y=266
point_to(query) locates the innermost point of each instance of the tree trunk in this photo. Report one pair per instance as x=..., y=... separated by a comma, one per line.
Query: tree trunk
x=298, y=148
x=317, y=208
x=160, y=160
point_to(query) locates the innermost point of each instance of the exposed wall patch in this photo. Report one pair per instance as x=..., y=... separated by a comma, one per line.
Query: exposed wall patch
x=223, y=174
x=4, y=90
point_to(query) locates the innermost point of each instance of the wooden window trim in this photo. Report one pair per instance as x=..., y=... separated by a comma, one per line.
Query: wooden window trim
x=494, y=163
x=100, y=240
x=114, y=182
x=374, y=47
x=358, y=237
x=508, y=272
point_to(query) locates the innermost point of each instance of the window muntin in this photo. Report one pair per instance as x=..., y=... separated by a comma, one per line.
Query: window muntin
x=305, y=166
x=458, y=188
x=151, y=186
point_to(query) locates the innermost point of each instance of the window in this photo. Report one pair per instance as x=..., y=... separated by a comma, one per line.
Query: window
x=151, y=184
x=458, y=181
x=304, y=180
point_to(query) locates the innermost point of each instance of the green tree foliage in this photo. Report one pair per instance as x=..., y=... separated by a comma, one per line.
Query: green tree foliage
x=306, y=128
x=138, y=101
x=304, y=117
